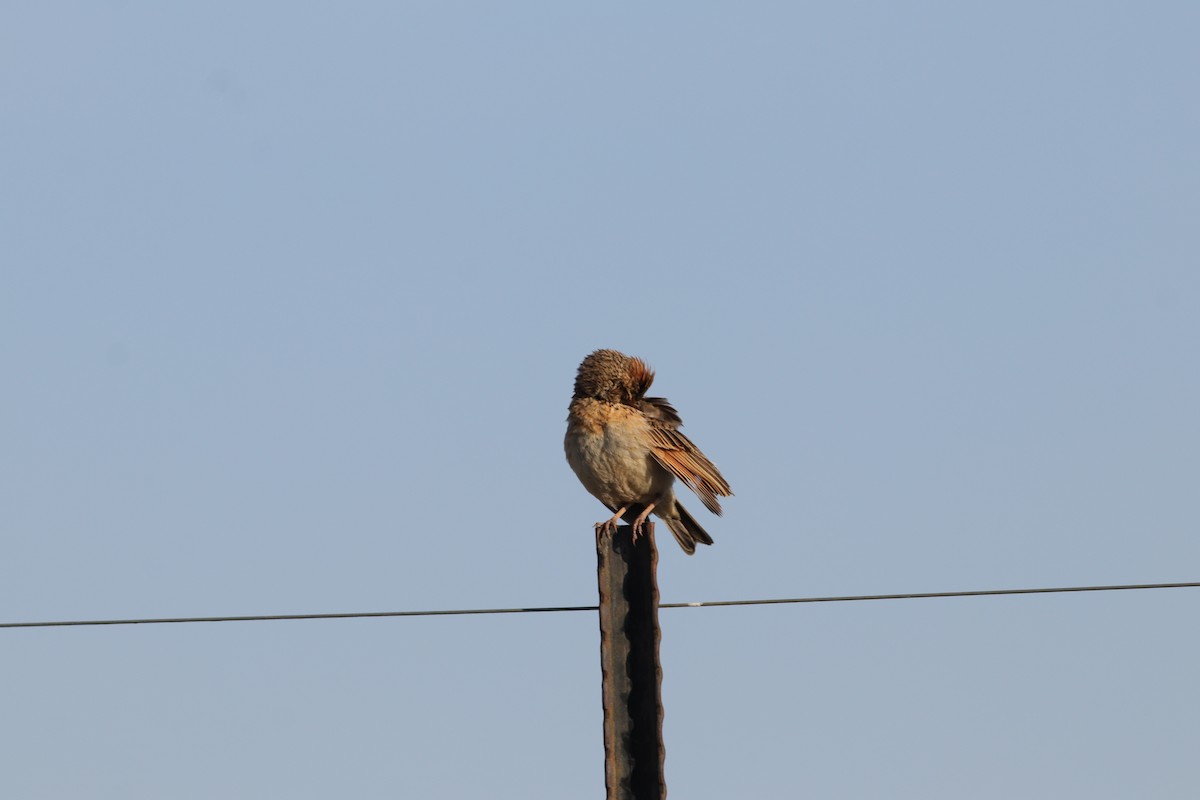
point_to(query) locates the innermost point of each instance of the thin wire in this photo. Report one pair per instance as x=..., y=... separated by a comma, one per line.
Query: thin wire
x=550, y=609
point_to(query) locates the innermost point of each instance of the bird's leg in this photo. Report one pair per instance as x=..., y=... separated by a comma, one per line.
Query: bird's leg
x=609, y=526
x=641, y=519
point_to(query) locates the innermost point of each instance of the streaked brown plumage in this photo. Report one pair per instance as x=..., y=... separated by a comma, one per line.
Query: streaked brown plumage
x=627, y=449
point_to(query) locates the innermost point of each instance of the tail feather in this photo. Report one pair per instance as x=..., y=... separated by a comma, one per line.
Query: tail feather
x=687, y=531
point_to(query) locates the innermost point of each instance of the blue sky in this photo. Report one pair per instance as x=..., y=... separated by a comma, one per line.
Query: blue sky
x=291, y=301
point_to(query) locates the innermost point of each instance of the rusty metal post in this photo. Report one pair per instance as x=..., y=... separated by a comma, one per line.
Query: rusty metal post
x=632, y=674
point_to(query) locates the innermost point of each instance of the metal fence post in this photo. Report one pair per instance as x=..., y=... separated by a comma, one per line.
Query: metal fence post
x=632, y=674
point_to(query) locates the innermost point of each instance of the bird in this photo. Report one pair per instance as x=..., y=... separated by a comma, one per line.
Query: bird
x=627, y=450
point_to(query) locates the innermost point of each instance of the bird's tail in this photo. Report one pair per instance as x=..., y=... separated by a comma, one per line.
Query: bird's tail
x=687, y=531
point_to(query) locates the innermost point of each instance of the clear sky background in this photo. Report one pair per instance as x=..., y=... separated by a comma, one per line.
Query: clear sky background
x=291, y=300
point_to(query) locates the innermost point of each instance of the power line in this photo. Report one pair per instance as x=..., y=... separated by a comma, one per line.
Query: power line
x=551, y=609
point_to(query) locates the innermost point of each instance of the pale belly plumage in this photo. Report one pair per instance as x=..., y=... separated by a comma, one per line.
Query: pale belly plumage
x=615, y=465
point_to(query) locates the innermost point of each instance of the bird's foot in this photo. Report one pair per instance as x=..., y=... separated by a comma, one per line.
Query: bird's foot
x=639, y=524
x=609, y=526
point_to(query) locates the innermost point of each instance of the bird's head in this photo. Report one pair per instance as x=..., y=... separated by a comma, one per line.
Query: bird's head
x=613, y=377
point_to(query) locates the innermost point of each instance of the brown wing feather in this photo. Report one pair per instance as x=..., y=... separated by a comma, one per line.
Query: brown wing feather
x=659, y=409
x=685, y=461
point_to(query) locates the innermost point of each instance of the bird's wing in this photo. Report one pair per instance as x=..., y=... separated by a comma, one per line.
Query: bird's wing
x=685, y=461
x=658, y=408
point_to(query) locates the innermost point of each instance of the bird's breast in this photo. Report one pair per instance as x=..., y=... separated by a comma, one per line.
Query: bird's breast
x=608, y=448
